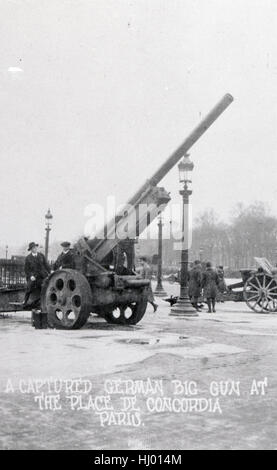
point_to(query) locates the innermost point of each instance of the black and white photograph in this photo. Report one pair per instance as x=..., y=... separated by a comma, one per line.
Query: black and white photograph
x=138, y=236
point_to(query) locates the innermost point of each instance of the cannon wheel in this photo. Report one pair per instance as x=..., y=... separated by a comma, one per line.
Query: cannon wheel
x=129, y=314
x=66, y=297
x=260, y=293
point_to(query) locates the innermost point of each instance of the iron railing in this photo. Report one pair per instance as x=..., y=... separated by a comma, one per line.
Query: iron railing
x=12, y=273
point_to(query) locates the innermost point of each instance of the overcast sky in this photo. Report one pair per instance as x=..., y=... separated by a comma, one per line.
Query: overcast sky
x=95, y=94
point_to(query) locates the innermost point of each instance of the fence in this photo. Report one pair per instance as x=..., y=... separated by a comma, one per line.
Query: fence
x=12, y=273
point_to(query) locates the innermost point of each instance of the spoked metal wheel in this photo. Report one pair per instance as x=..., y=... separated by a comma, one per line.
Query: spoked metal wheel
x=66, y=297
x=129, y=314
x=260, y=293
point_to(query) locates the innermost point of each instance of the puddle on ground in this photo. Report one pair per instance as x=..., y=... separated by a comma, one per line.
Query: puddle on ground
x=93, y=337
x=153, y=341
x=213, y=319
x=138, y=341
x=251, y=332
x=109, y=326
x=226, y=321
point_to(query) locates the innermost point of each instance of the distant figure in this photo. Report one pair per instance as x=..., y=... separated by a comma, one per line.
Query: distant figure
x=210, y=283
x=36, y=270
x=222, y=284
x=195, y=280
x=121, y=265
x=66, y=259
x=146, y=273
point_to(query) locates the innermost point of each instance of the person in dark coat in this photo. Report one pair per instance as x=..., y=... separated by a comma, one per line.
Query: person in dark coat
x=66, y=259
x=146, y=273
x=36, y=270
x=194, y=285
x=210, y=283
x=222, y=284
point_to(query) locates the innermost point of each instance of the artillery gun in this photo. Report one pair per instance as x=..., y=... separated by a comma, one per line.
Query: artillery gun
x=258, y=287
x=102, y=284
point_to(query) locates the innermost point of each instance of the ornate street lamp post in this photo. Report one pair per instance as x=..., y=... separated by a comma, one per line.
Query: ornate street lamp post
x=48, y=222
x=159, y=288
x=183, y=306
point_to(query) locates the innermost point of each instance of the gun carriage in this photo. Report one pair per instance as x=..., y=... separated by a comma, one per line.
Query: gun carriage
x=103, y=284
x=259, y=287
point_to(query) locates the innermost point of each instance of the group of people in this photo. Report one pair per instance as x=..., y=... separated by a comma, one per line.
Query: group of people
x=203, y=283
x=210, y=281
x=37, y=269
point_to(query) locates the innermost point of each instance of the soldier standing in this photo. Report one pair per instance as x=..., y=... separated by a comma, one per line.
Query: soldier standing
x=222, y=284
x=146, y=273
x=210, y=283
x=66, y=259
x=195, y=279
x=36, y=270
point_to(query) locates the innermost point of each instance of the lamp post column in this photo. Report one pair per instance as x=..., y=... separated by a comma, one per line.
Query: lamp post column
x=48, y=220
x=160, y=292
x=183, y=307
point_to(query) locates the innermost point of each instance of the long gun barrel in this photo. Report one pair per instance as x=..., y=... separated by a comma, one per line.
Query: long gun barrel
x=186, y=145
x=149, y=194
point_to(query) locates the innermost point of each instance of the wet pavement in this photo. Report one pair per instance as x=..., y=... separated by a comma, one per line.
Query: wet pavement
x=212, y=351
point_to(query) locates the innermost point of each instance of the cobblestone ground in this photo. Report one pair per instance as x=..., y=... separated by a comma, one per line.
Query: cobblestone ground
x=233, y=344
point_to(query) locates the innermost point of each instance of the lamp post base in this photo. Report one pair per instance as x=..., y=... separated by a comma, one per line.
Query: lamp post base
x=160, y=292
x=183, y=308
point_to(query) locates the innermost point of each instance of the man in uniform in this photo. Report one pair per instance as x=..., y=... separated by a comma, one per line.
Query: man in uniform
x=66, y=259
x=146, y=273
x=36, y=270
x=195, y=280
x=210, y=281
x=222, y=288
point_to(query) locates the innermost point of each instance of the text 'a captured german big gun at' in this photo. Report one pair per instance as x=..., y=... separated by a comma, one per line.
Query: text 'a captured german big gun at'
x=105, y=283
